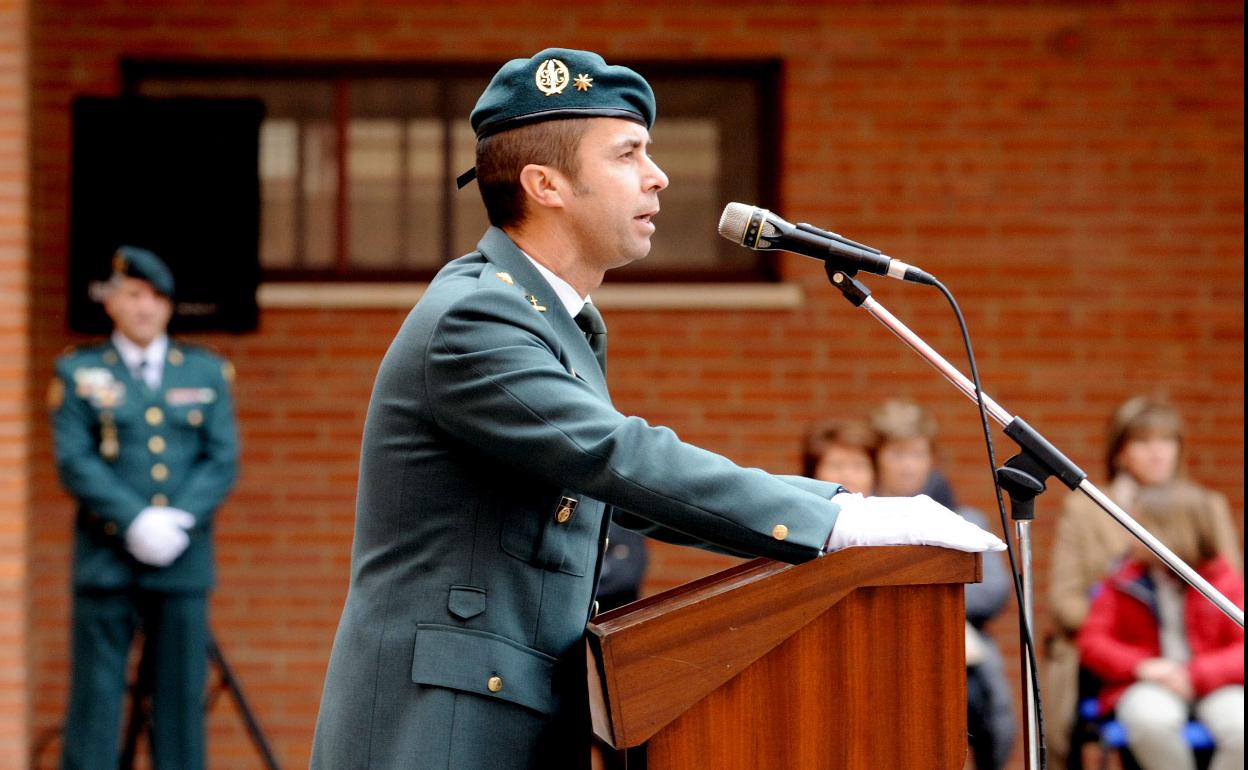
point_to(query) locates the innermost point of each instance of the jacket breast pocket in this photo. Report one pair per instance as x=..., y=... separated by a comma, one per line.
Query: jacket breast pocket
x=557, y=533
x=484, y=664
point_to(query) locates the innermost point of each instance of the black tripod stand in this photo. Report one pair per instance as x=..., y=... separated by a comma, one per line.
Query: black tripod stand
x=140, y=706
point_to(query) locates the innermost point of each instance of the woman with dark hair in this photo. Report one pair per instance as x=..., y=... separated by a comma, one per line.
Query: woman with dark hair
x=1144, y=446
x=841, y=448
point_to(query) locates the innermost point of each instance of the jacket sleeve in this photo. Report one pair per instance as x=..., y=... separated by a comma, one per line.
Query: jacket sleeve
x=1218, y=668
x=985, y=599
x=1224, y=664
x=825, y=489
x=82, y=470
x=644, y=526
x=494, y=381
x=641, y=524
x=215, y=470
x=1100, y=649
x=1068, y=589
x=1222, y=531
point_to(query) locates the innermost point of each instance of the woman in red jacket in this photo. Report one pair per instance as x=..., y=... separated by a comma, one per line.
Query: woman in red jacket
x=1161, y=650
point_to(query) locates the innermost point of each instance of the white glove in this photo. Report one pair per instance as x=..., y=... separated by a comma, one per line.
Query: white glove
x=157, y=536
x=918, y=520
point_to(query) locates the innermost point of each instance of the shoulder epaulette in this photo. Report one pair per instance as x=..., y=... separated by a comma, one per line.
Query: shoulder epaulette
x=82, y=348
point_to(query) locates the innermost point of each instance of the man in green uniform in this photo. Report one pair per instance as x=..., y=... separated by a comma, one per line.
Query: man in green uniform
x=146, y=442
x=492, y=456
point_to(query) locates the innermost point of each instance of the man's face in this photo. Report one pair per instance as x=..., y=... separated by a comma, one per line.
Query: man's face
x=903, y=466
x=138, y=311
x=615, y=193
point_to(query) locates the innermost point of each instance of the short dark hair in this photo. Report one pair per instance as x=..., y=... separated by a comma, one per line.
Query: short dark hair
x=837, y=431
x=502, y=156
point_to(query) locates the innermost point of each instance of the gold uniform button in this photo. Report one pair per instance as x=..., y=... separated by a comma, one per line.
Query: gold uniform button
x=495, y=684
x=160, y=472
x=156, y=444
x=110, y=528
x=195, y=417
x=154, y=415
x=159, y=499
x=780, y=532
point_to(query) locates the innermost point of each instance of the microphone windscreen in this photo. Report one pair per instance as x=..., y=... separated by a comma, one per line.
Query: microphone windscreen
x=734, y=220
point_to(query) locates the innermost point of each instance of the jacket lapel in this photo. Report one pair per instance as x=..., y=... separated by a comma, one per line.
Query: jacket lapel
x=171, y=371
x=502, y=252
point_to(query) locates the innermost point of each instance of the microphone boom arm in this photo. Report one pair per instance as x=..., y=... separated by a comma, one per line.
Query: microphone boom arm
x=1029, y=439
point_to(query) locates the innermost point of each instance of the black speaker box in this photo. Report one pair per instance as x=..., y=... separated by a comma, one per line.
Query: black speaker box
x=179, y=177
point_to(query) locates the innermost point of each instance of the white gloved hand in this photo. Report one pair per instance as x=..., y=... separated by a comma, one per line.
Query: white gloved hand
x=157, y=536
x=918, y=520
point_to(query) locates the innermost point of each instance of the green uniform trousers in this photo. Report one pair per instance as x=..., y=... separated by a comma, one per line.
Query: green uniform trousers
x=175, y=630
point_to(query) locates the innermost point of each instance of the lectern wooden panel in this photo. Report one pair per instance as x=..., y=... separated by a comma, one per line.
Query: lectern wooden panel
x=853, y=661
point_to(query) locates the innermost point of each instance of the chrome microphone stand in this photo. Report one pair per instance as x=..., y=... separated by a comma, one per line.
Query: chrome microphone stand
x=1023, y=478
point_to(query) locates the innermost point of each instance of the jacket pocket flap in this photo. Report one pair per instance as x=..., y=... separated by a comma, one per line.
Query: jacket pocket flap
x=466, y=601
x=484, y=664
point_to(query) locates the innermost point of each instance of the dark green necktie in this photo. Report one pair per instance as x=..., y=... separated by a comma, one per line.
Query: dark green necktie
x=590, y=321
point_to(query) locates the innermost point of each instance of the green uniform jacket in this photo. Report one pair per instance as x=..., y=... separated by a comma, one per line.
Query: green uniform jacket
x=121, y=446
x=471, y=581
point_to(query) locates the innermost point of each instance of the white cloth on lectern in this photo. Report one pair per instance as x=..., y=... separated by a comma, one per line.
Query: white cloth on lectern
x=918, y=520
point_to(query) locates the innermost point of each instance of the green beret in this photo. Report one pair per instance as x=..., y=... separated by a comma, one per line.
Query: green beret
x=140, y=263
x=560, y=83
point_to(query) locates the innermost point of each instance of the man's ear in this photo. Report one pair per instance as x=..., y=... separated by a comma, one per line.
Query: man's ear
x=543, y=185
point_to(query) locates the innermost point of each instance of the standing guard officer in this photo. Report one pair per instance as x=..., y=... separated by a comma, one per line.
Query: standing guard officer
x=146, y=442
x=492, y=456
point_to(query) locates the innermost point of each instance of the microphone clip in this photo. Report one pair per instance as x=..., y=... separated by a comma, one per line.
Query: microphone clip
x=843, y=279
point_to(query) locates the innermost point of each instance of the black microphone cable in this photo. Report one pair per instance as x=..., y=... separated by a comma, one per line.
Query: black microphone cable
x=1029, y=640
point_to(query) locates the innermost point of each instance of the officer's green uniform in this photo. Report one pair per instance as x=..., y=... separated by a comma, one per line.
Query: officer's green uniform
x=121, y=447
x=491, y=458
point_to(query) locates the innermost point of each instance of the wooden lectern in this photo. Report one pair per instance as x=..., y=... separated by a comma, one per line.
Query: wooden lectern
x=853, y=661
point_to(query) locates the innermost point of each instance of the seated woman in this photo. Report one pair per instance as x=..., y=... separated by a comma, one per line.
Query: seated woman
x=1144, y=445
x=1161, y=649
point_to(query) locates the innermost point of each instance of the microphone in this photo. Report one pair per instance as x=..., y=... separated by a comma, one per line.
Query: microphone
x=761, y=230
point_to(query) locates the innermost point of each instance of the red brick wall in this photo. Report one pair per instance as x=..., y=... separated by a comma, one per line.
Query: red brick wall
x=15, y=637
x=1074, y=173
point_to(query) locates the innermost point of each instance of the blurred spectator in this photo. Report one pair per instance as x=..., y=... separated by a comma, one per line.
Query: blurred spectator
x=1144, y=446
x=1160, y=649
x=623, y=567
x=905, y=465
x=841, y=450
